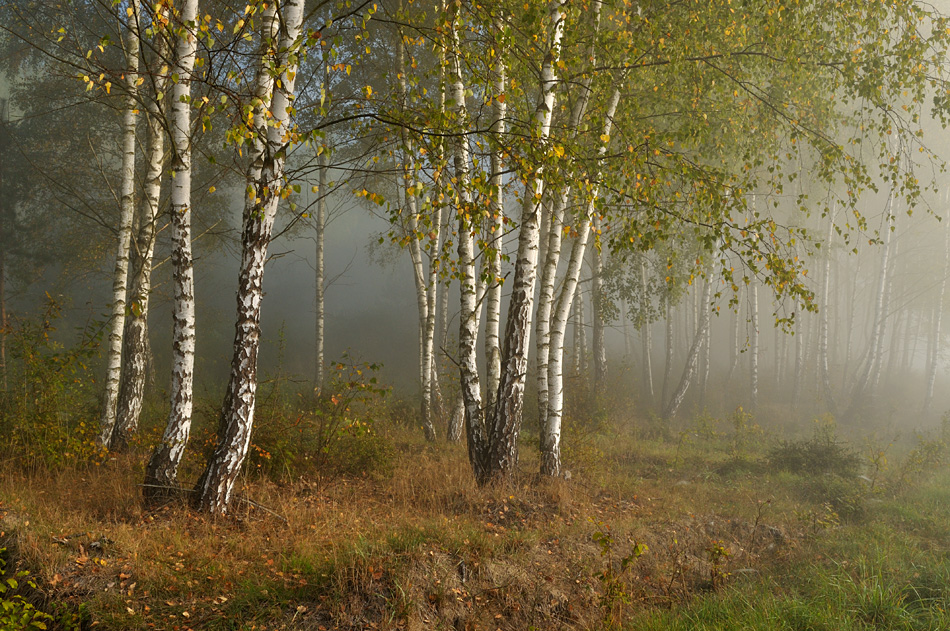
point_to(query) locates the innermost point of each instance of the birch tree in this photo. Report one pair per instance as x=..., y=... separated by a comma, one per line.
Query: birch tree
x=127, y=201
x=270, y=134
x=161, y=473
x=135, y=351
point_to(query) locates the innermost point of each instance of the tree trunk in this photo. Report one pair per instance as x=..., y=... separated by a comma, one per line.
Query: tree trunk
x=646, y=338
x=668, y=367
x=495, y=228
x=127, y=211
x=476, y=432
x=551, y=431
x=553, y=241
x=161, y=473
x=319, y=277
x=823, y=322
x=597, y=313
x=937, y=319
x=135, y=343
x=503, y=422
x=866, y=376
x=736, y=322
x=754, y=351
x=702, y=329
x=422, y=285
x=265, y=181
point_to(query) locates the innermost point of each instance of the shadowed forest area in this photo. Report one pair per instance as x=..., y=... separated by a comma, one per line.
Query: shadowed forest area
x=567, y=314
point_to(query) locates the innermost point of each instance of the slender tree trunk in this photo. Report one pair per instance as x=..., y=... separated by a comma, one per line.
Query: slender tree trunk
x=867, y=377
x=476, y=431
x=668, y=367
x=938, y=319
x=646, y=338
x=127, y=211
x=692, y=357
x=423, y=288
x=577, y=344
x=265, y=179
x=161, y=473
x=552, y=240
x=551, y=431
x=319, y=277
x=135, y=349
x=754, y=351
x=582, y=349
x=705, y=359
x=597, y=317
x=736, y=322
x=825, y=306
x=886, y=313
x=495, y=227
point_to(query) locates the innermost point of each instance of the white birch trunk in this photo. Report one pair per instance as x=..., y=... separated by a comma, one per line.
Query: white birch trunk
x=937, y=320
x=876, y=345
x=469, y=383
x=416, y=255
x=552, y=239
x=692, y=357
x=646, y=339
x=265, y=184
x=597, y=318
x=126, y=213
x=161, y=473
x=754, y=343
x=495, y=227
x=319, y=277
x=504, y=419
x=823, y=366
x=135, y=349
x=551, y=431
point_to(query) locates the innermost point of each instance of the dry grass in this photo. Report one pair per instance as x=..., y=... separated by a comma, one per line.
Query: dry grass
x=421, y=548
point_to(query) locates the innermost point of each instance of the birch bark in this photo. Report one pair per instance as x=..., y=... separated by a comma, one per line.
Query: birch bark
x=504, y=417
x=495, y=228
x=127, y=210
x=319, y=276
x=135, y=347
x=937, y=320
x=161, y=473
x=692, y=357
x=551, y=430
x=278, y=58
x=823, y=322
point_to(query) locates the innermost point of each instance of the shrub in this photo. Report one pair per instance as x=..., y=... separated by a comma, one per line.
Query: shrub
x=16, y=612
x=48, y=411
x=823, y=453
x=335, y=432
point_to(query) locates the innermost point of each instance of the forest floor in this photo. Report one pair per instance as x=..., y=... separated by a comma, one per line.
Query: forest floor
x=720, y=525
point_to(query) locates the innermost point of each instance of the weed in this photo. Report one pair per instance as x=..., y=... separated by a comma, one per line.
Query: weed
x=744, y=432
x=47, y=417
x=615, y=595
x=16, y=612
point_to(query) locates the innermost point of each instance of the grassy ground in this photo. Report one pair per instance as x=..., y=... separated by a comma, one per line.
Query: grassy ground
x=657, y=528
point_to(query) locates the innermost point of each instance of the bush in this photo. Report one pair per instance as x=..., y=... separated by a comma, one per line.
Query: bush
x=823, y=453
x=16, y=612
x=48, y=412
x=335, y=432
